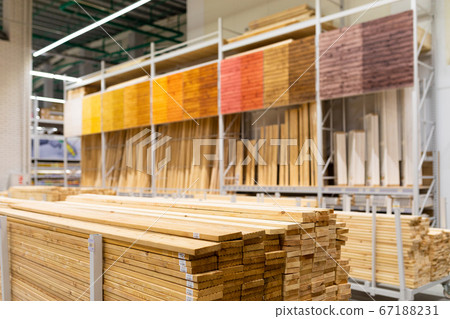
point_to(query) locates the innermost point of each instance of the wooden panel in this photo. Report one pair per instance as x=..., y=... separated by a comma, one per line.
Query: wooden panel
x=91, y=114
x=160, y=100
x=279, y=16
x=113, y=110
x=137, y=105
x=252, y=81
x=301, y=66
x=174, y=111
x=372, y=56
x=191, y=92
x=208, y=90
x=231, y=97
x=276, y=75
x=73, y=117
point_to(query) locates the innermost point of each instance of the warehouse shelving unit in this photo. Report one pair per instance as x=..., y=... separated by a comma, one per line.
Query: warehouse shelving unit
x=211, y=48
x=50, y=168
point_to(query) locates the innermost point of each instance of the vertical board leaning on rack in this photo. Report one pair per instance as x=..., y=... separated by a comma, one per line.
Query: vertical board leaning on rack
x=356, y=158
x=372, y=150
x=340, y=158
x=389, y=139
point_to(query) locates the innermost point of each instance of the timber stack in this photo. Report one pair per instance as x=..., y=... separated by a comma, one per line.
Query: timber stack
x=53, y=193
x=309, y=240
x=195, y=251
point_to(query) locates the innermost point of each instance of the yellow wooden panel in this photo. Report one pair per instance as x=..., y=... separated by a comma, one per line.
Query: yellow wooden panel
x=113, y=110
x=160, y=100
x=137, y=105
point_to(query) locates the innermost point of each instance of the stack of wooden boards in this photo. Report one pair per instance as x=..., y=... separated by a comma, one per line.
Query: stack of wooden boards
x=53, y=193
x=260, y=78
x=256, y=261
x=278, y=20
x=417, y=248
x=282, y=200
x=439, y=253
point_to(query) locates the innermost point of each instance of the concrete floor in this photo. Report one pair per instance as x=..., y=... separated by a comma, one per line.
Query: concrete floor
x=433, y=294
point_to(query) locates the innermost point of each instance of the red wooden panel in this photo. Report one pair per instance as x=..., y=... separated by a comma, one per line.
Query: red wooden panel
x=230, y=81
x=252, y=81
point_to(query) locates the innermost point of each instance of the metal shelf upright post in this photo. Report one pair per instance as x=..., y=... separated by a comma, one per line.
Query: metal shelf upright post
x=153, y=126
x=103, y=137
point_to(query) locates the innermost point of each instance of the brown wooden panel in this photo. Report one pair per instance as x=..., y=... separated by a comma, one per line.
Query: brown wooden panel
x=372, y=56
x=301, y=66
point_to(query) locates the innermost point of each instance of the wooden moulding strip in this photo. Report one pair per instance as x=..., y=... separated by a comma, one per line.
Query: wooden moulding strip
x=152, y=240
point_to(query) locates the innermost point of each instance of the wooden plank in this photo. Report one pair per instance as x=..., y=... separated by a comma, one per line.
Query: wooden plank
x=356, y=158
x=340, y=158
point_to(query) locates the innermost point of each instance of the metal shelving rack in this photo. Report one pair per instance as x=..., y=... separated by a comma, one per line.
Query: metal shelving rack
x=35, y=159
x=202, y=47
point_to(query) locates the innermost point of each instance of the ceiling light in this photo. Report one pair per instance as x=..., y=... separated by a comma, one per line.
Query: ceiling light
x=47, y=99
x=90, y=27
x=55, y=76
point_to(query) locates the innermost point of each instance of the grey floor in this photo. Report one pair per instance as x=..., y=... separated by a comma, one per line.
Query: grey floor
x=433, y=294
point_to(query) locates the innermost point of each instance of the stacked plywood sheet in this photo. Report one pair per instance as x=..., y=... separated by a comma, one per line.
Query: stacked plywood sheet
x=372, y=150
x=340, y=158
x=350, y=66
x=415, y=248
x=311, y=243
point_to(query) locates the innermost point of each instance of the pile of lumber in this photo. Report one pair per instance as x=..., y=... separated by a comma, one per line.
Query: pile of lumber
x=439, y=253
x=416, y=245
x=283, y=200
x=300, y=262
x=53, y=193
x=277, y=20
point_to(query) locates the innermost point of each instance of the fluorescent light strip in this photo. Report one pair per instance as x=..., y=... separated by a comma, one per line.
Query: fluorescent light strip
x=55, y=76
x=47, y=99
x=90, y=27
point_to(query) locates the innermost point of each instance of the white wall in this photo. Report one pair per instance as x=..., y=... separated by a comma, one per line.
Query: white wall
x=15, y=89
x=441, y=44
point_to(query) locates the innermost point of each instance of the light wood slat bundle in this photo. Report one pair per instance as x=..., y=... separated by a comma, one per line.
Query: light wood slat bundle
x=416, y=243
x=439, y=253
x=53, y=193
x=310, y=271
